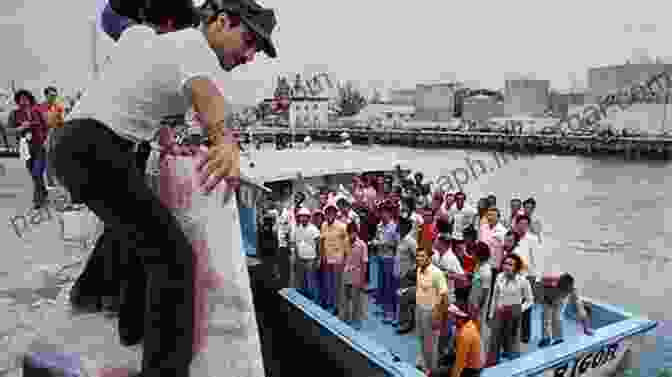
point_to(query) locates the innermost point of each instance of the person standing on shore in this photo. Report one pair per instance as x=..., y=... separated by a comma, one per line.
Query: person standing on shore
x=28, y=117
x=94, y=151
x=53, y=110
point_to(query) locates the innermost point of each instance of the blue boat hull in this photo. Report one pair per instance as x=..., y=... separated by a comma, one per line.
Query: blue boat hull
x=377, y=350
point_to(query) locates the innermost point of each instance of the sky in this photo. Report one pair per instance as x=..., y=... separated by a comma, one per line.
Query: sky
x=378, y=44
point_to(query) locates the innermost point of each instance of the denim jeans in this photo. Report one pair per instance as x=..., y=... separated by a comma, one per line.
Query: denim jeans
x=99, y=168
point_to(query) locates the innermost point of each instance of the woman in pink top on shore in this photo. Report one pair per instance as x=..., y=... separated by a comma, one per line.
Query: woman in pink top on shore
x=354, y=276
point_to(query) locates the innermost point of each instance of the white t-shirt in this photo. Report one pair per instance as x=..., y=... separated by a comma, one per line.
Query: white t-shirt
x=462, y=218
x=527, y=249
x=447, y=262
x=305, y=237
x=147, y=80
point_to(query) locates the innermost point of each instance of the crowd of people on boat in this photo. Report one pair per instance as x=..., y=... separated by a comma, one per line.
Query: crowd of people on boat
x=464, y=277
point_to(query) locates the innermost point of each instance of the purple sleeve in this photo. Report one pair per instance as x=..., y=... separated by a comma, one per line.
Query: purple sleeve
x=114, y=24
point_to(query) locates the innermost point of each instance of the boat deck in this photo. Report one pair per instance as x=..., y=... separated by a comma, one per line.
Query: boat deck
x=406, y=346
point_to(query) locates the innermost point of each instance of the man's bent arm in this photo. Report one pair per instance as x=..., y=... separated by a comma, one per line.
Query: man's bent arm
x=209, y=103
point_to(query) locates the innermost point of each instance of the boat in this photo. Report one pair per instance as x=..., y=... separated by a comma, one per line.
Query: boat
x=377, y=350
x=293, y=329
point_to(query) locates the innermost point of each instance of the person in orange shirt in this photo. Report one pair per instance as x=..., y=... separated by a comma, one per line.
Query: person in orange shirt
x=468, y=360
x=468, y=345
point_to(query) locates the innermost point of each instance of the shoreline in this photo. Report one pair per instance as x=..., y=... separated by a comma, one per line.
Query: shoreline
x=628, y=148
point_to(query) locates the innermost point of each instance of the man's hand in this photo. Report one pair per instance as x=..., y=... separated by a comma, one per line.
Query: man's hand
x=222, y=162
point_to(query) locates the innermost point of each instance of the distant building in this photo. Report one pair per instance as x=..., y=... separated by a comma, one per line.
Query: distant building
x=387, y=115
x=401, y=97
x=481, y=108
x=609, y=79
x=561, y=102
x=435, y=102
x=526, y=97
x=309, y=112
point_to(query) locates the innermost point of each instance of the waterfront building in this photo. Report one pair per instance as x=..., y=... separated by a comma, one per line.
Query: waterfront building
x=387, y=115
x=648, y=118
x=308, y=112
x=435, y=102
x=402, y=97
x=481, y=108
x=526, y=97
x=608, y=79
x=560, y=102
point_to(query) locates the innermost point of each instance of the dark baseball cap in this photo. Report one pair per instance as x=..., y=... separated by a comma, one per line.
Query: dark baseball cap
x=260, y=20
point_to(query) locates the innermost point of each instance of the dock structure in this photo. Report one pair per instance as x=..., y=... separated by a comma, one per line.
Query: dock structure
x=630, y=148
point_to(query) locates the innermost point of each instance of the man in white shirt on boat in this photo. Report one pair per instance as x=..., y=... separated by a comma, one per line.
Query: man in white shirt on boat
x=493, y=233
x=528, y=246
x=304, y=241
x=527, y=249
x=461, y=215
x=530, y=205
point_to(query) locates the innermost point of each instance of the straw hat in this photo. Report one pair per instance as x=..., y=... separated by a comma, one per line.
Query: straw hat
x=303, y=212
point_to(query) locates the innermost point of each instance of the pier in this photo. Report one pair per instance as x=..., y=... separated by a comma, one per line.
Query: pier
x=630, y=148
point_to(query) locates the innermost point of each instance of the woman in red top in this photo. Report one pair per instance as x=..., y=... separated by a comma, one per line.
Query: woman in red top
x=27, y=116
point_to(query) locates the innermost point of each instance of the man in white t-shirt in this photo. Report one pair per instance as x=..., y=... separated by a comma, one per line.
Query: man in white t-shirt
x=150, y=77
x=461, y=215
x=527, y=249
x=304, y=241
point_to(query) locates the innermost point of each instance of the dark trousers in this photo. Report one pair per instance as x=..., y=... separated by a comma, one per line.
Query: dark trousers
x=470, y=372
x=526, y=319
x=525, y=326
x=3, y=133
x=141, y=156
x=407, y=301
x=284, y=265
x=98, y=167
x=39, y=188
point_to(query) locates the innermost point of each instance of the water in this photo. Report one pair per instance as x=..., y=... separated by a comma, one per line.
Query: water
x=603, y=220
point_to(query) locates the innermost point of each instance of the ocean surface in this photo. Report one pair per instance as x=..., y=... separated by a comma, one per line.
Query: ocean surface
x=603, y=220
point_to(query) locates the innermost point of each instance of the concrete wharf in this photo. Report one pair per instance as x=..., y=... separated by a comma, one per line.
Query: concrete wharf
x=630, y=148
